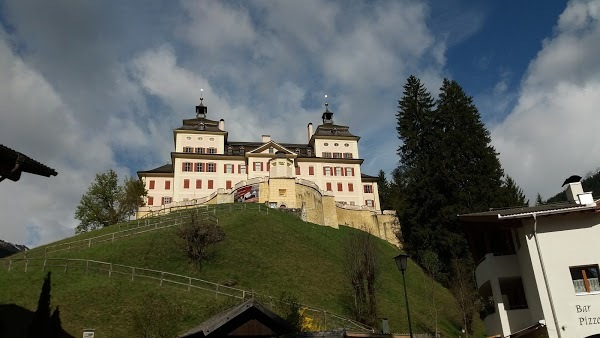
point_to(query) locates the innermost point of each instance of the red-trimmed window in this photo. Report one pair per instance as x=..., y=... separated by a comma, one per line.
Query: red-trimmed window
x=200, y=150
x=297, y=170
x=228, y=169
x=186, y=184
x=212, y=150
x=211, y=167
x=210, y=184
x=151, y=184
x=167, y=185
x=327, y=171
x=241, y=168
x=338, y=171
x=258, y=166
x=350, y=187
x=349, y=171
x=188, y=149
x=370, y=203
x=337, y=155
x=347, y=155
x=326, y=154
x=227, y=184
x=186, y=166
x=328, y=186
x=311, y=170
x=268, y=166
x=150, y=200
x=368, y=189
x=340, y=188
x=198, y=184
x=166, y=200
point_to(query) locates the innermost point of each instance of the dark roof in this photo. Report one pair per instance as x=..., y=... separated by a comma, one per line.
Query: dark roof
x=165, y=169
x=234, y=318
x=8, y=159
x=522, y=212
x=300, y=149
x=330, y=129
x=194, y=124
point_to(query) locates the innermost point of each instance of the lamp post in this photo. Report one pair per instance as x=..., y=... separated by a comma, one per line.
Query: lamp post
x=402, y=262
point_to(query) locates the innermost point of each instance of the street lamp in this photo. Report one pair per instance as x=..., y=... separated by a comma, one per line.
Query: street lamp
x=402, y=262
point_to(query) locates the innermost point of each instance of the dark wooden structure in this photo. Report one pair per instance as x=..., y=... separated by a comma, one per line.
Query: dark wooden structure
x=13, y=163
x=248, y=319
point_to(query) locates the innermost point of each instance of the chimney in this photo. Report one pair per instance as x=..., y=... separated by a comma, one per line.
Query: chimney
x=222, y=124
x=310, y=131
x=266, y=138
x=575, y=194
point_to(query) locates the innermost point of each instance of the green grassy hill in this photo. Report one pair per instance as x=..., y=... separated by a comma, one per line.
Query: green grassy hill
x=263, y=253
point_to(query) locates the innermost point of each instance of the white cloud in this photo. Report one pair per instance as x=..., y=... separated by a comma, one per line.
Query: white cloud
x=551, y=132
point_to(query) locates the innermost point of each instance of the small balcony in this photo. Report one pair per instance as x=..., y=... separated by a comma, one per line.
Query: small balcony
x=496, y=265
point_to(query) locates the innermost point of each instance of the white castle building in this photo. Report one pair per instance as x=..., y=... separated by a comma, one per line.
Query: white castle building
x=322, y=177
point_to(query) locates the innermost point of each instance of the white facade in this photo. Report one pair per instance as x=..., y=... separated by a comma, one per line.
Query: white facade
x=205, y=161
x=538, y=267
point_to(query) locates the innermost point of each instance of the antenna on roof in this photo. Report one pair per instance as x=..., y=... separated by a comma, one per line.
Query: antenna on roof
x=201, y=96
x=326, y=103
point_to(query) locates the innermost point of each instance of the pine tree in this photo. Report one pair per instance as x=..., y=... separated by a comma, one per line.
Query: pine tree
x=512, y=195
x=383, y=186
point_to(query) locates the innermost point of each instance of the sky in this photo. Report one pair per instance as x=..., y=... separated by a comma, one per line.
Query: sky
x=89, y=86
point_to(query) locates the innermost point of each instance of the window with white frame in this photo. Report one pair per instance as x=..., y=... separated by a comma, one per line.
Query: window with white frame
x=212, y=150
x=188, y=149
x=585, y=278
x=370, y=203
x=257, y=166
x=229, y=168
x=337, y=155
x=187, y=166
x=326, y=154
x=338, y=171
x=349, y=171
x=327, y=171
x=200, y=150
x=211, y=168
x=166, y=200
x=242, y=169
x=347, y=155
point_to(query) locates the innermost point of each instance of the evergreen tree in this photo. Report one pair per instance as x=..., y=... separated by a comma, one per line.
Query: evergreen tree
x=447, y=167
x=539, y=200
x=383, y=186
x=511, y=194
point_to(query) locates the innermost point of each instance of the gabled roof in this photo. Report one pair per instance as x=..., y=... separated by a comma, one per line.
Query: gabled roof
x=9, y=159
x=497, y=215
x=273, y=144
x=248, y=313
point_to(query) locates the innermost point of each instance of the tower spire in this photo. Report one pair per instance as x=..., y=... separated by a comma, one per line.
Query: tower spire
x=201, y=109
x=327, y=115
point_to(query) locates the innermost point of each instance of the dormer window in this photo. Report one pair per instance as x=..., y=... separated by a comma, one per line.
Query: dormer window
x=271, y=150
x=201, y=126
x=242, y=150
x=334, y=131
x=297, y=151
x=308, y=152
x=230, y=150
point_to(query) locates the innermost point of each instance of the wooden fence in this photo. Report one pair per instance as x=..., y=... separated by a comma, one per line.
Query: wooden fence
x=324, y=318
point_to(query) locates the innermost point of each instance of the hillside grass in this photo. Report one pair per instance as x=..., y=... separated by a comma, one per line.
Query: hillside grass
x=265, y=253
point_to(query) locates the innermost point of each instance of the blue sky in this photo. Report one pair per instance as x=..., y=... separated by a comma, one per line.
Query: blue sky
x=90, y=86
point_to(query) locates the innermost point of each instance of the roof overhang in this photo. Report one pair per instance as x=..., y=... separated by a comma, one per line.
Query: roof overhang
x=331, y=160
x=13, y=163
x=508, y=214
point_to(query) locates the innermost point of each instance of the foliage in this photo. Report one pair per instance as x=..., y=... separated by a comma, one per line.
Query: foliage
x=361, y=272
x=291, y=312
x=431, y=265
x=156, y=317
x=511, y=195
x=199, y=235
x=464, y=290
x=447, y=167
x=539, y=200
x=106, y=202
x=384, y=188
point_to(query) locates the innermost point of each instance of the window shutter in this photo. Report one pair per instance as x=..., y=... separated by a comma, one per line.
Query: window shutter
x=297, y=170
x=182, y=166
x=328, y=186
x=339, y=186
x=268, y=165
x=210, y=184
x=225, y=168
x=323, y=171
x=151, y=184
x=198, y=184
x=350, y=187
x=150, y=200
x=228, y=185
x=311, y=170
x=186, y=183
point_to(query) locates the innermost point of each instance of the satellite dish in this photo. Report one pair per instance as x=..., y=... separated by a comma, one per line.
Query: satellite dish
x=572, y=179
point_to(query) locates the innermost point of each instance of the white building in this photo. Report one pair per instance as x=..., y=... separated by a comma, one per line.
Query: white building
x=322, y=177
x=537, y=267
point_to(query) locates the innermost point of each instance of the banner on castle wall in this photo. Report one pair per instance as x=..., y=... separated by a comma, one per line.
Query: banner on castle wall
x=248, y=194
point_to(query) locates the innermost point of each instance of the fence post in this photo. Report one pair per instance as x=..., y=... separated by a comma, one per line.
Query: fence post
x=89, y=242
x=325, y=319
x=113, y=237
x=190, y=283
x=110, y=270
x=45, y=252
x=132, y=273
x=259, y=208
x=44, y=267
x=87, y=266
x=9, y=264
x=66, y=265
x=217, y=291
x=162, y=276
x=26, y=263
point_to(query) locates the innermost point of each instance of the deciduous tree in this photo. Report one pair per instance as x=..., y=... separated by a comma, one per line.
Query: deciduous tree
x=106, y=202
